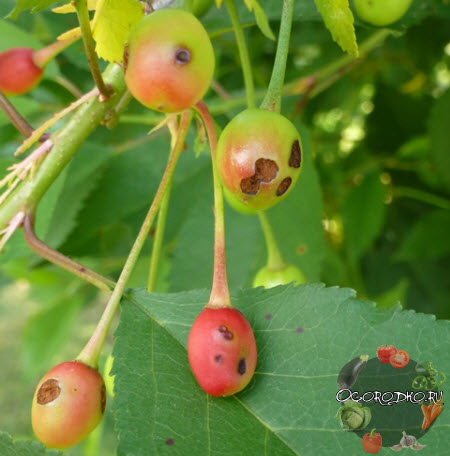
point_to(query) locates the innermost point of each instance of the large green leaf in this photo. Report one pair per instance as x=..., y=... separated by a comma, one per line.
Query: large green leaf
x=8, y=447
x=304, y=336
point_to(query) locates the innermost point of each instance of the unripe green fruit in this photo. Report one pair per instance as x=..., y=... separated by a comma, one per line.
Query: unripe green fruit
x=68, y=404
x=381, y=12
x=18, y=72
x=198, y=7
x=169, y=60
x=222, y=351
x=109, y=379
x=269, y=278
x=259, y=157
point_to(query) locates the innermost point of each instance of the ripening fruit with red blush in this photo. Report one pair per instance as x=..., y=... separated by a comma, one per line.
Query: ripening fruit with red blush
x=68, y=404
x=169, y=60
x=18, y=71
x=259, y=157
x=222, y=351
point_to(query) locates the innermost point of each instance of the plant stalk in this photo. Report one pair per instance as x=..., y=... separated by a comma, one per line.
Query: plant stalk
x=61, y=260
x=89, y=45
x=43, y=56
x=274, y=257
x=220, y=295
x=272, y=100
x=91, y=352
x=243, y=53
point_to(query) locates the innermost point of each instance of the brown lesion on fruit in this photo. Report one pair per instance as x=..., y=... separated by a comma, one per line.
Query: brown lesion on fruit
x=182, y=56
x=218, y=359
x=48, y=391
x=283, y=187
x=103, y=399
x=228, y=335
x=266, y=170
x=295, y=160
x=242, y=366
x=126, y=53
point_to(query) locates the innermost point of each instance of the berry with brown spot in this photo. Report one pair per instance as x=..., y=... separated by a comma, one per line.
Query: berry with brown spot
x=259, y=157
x=68, y=404
x=19, y=73
x=169, y=60
x=222, y=351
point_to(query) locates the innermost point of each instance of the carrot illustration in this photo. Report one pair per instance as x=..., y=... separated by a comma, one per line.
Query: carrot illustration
x=436, y=410
x=426, y=417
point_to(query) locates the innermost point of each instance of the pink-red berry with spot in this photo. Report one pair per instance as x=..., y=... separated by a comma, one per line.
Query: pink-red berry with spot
x=222, y=351
x=68, y=404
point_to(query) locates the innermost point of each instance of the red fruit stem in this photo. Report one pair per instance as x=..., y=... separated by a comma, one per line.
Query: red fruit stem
x=272, y=100
x=91, y=352
x=61, y=260
x=45, y=55
x=274, y=258
x=89, y=46
x=21, y=125
x=220, y=295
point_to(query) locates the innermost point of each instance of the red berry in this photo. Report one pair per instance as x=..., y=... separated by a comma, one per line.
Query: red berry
x=222, y=351
x=259, y=156
x=18, y=72
x=169, y=60
x=68, y=404
x=400, y=359
x=384, y=352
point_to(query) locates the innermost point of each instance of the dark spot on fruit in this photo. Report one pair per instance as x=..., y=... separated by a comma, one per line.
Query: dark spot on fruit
x=223, y=329
x=170, y=442
x=218, y=359
x=295, y=160
x=228, y=335
x=268, y=317
x=301, y=249
x=126, y=53
x=299, y=330
x=48, y=391
x=265, y=170
x=250, y=185
x=182, y=56
x=242, y=366
x=285, y=184
x=103, y=398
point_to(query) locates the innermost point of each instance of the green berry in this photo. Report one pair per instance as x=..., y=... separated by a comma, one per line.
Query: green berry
x=381, y=12
x=259, y=157
x=269, y=278
x=169, y=60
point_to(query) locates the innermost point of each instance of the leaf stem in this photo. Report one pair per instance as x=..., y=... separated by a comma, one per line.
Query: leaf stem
x=61, y=260
x=89, y=46
x=421, y=195
x=274, y=258
x=243, y=52
x=21, y=125
x=91, y=352
x=220, y=295
x=272, y=100
x=66, y=143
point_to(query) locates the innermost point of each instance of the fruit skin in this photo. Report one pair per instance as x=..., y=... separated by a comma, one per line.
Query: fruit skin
x=381, y=12
x=258, y=135
x=169, y=60
x=384, y=352
x=400, y=359
x=67, y=417
x=18, y=72
x=269, y=278
x=372, y=442
x=219, y=341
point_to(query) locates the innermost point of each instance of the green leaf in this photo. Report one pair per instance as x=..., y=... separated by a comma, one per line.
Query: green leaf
x=440, y=139
x=289, y=406
x=33, y=5
x=363, y=215
x=8, y=447
x=338, y=18
x=112, y=23
x=261, y=18
x=428, y=239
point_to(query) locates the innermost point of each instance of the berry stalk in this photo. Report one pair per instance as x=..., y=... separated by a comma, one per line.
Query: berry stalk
x=243, y=53
x=272, y=100
x=61, y=260
x=89, y=45
x=220, y=295
x=91, y=352
x=274, y=258
x=43, y=56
